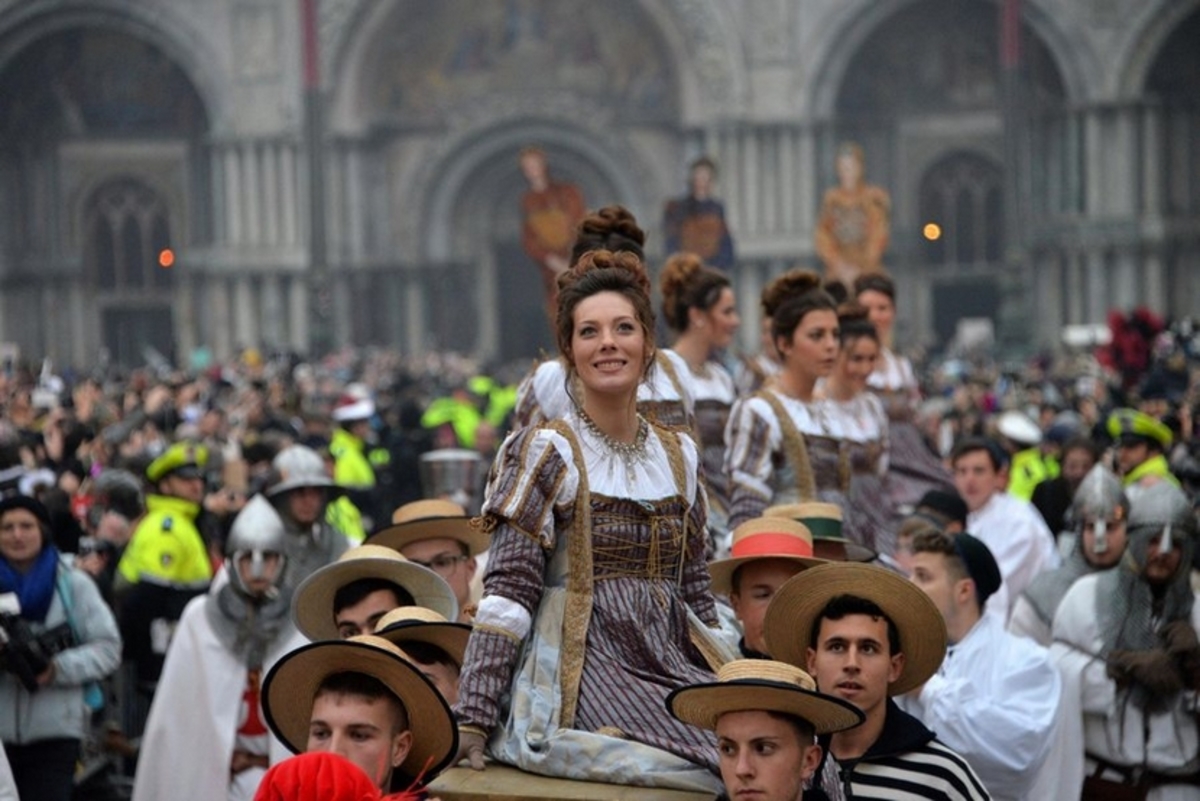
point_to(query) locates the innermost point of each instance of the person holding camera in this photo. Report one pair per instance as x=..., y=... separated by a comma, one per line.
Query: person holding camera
x=57, y=638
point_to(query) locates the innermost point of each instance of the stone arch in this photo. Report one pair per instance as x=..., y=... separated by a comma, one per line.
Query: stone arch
x=168, y=30
x=1146, y=45
x=700, y=39
x=853, y=24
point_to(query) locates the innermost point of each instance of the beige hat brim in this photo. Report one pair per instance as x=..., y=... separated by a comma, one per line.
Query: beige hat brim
x=312, y=604
x=450, y=637
x=788, y=624
x=400, y=535
x=703, y=704
x=722, y=570
x=290, y=688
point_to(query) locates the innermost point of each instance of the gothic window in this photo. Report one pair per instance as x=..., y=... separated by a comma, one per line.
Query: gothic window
x=128, y=229
x=961, y=195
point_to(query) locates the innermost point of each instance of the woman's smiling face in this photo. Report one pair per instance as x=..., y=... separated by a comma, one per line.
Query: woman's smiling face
x=608, y=344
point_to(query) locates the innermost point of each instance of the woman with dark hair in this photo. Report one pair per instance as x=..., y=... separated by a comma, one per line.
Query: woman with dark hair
x=785, y=445
x=597, y=590
x=913, y=469
x=861, y=416
x=61, y=638
x=665, y=397
x=700, y=309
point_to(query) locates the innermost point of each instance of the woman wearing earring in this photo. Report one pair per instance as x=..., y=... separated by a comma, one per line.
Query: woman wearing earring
x=698, y=305
x=913, y=469
x=784, y=444
x=863, y=420
x=597, y=580
x=665, y=398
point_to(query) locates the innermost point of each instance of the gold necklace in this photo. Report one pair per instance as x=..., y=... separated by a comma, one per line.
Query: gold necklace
x=630, y=453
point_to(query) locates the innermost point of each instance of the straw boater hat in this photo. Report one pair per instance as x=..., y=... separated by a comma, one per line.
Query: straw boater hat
x=824, y=520
x=291, y=686
x=418, y=624
x=763, y=538
x=787, y=627
x=430, y=519
x=312, y=605
x=745, y=685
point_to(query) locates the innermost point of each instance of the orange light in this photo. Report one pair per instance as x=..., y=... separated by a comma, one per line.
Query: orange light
x=166, y=258
x=932, y=231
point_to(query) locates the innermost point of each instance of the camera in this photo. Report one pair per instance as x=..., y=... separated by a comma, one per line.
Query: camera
x=26, y=654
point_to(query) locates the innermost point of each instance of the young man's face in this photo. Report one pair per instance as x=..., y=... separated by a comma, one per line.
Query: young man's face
x=362, y=617
x=443, y=676
x=758, y=581
x=305, y=505
x=852, y=661
x=931, y=572
x=975, y=478
x=762, y=757
x=1117, y=537
x=445, y=557
x=266, y=572
x=1131, y=454
x=363, y=730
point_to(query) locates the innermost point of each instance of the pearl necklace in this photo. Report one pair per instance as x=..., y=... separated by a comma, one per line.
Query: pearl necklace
x=630, y=453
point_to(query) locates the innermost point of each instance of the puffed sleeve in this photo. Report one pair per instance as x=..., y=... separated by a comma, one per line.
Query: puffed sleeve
x=532, y=486
x=750, y=440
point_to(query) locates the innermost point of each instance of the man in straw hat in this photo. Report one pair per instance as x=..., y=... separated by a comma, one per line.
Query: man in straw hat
x=435, y=644
x=349, y=597
x=438, y=534
x=996, y=699
x=766, y=715
x=363, y=699
x=866, y=634
x=765, y=552
x=824, y=521
x=1128, y=643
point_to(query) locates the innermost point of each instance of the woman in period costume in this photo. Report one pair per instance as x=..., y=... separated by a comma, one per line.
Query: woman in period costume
x=596, y=602
x=853, y=228
x=913, y=469
x=699, y=306
x=784, y=444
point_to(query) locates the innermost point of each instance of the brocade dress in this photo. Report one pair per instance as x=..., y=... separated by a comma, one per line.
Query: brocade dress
x=865, y=424
x=715, y=394
x=596, y=606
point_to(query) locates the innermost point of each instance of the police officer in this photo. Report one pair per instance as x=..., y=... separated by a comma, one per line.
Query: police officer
x=1142, y=443
x=165, y=565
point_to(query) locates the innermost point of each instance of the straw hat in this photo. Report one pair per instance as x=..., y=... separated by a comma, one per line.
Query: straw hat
x=763, y=538
x=762, y=684
x=291, y=686
x=824, y=520
x=430, y=519
x=312, y=604
x=418, y=624
x=787, y=627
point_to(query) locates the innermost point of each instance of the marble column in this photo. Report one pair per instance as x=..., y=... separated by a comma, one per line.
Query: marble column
x=298, y=310
x=219, y=316
x=1098, y=286
x=246, y=313
x=1076, y=291
x=272, y=331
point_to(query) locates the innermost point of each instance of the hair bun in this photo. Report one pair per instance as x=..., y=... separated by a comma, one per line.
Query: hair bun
x=606, y=260
x=789, y=285
x=678, y=272
x=609, y=228
x=852, y=312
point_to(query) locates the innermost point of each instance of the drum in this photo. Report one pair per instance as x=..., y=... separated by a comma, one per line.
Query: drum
x=455, y=474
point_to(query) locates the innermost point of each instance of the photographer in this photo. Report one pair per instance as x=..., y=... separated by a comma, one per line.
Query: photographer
x=62, y=638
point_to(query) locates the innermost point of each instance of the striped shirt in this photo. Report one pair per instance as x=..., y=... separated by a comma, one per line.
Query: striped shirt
x=906, y=762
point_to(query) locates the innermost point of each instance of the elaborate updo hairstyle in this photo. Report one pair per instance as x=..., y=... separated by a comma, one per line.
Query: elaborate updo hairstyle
x=875, y=282
x=686, y=283
x=790, y=297
x=611, y=228
x=853, y=324
x=603, y=271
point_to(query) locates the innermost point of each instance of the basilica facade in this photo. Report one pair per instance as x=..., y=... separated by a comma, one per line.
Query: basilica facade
x=218, y=174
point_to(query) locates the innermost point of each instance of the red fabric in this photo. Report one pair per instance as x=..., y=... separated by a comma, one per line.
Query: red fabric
x=317, y=776
x=769, y=544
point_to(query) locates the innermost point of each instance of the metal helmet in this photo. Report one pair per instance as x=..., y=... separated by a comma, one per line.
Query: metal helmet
x=256, y=532
x=297, y=466
x=1159, y=511
x=1099, y=499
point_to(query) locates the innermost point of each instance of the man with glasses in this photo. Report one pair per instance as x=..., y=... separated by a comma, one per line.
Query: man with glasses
x=438, y=534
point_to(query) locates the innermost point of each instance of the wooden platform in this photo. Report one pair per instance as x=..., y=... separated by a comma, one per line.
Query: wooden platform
x=504, y=783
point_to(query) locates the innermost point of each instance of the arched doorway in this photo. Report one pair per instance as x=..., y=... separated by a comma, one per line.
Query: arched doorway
x=925, y=96
x=100, y=150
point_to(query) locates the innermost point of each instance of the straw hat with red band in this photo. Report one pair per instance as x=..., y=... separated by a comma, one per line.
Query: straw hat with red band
x=763, y=538
x=312, y=603
x=431, y=519
x=796, y=605
x=290, y=688
x=824, y=520
x=418, y=624
x=745, y=685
